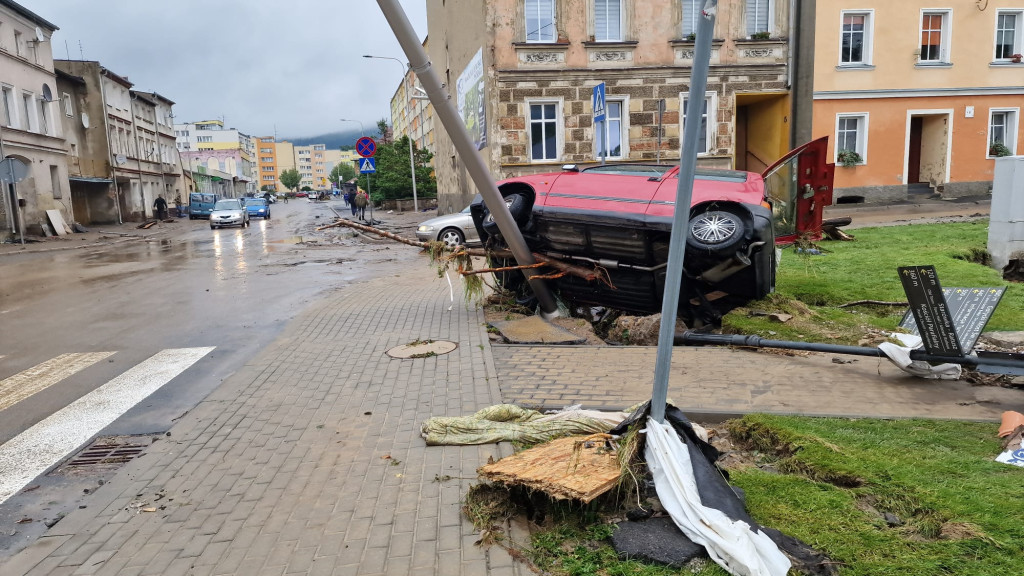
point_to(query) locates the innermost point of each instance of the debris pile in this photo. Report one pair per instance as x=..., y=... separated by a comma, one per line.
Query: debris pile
x=695, y=511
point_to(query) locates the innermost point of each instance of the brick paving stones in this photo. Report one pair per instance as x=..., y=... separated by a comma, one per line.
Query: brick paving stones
x=308, y=460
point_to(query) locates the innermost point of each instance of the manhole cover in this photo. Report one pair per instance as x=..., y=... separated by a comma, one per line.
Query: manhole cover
x=422, y=349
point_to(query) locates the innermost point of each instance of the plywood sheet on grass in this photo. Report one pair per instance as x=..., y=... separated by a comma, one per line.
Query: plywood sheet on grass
x=558, y=469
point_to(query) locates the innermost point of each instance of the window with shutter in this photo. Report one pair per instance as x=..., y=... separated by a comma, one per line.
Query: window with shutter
x=757, y=16
x=540, y=20
x=607, y=20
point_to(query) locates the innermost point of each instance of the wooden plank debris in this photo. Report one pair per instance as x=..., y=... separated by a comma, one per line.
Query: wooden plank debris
x=578, y=467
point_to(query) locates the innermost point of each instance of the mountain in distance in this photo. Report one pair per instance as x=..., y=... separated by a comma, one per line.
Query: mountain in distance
x=332, y=140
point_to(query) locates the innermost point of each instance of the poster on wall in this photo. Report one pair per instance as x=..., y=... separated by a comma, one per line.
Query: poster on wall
x=470, y=90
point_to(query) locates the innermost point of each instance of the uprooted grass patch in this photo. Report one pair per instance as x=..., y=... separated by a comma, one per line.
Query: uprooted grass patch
x=911, y=497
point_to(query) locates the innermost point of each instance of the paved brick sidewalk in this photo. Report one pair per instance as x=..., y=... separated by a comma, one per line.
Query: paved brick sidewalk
x=718, y=382
x=285, y=468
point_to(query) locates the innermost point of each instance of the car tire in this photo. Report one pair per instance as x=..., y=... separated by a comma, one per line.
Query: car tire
x=267, y=217
x=452, y=237
x=213, y=227
x=516, y=206
x=191, y=217
x=715, y=231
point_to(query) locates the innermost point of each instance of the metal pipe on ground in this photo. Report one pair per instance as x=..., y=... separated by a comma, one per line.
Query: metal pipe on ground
x=690, y=338
x=449, y=117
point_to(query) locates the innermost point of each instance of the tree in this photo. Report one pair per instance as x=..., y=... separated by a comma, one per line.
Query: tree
x=267, y=188
x=393, y=179
x=307, y=189
x=344, y=171
x=384, y=132
x=291, y=179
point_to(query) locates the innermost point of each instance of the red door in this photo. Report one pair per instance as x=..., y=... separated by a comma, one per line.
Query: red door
x=799, y=186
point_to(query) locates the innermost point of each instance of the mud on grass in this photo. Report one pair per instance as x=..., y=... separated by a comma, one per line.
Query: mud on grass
x=911, y=497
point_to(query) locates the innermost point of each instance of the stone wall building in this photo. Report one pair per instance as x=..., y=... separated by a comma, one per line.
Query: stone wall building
x=129, y=139
x=523, y=74
x=30, y=128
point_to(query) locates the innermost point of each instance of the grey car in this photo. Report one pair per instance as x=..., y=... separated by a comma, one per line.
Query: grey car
x=453, y=229
x=229, y=212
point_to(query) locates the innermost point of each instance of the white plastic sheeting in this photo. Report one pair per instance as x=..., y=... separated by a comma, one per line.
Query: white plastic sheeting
x=900, y=356
x=731, y=544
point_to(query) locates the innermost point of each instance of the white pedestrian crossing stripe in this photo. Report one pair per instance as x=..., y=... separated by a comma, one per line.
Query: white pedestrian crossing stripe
x=42, y=376
x=37, y=449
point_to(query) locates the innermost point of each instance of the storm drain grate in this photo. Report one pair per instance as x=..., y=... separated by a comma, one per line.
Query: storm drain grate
x=107, y=454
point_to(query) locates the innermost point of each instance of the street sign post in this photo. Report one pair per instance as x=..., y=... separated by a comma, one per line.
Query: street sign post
x=367, y=166
x=366, y=147
x=599, y=104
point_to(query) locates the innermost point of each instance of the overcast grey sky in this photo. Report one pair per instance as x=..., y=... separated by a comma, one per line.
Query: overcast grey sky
x=296, y=64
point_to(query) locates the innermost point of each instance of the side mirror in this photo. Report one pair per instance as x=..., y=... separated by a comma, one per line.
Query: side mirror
x=570, y=168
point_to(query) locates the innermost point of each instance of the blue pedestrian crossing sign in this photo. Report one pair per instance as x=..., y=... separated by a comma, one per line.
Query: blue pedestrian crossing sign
x=598, y=102
x=367, y=165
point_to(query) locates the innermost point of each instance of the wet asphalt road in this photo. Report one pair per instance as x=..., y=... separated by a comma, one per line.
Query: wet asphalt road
x=185, y=286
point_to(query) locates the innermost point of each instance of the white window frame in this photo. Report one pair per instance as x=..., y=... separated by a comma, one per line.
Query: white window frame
x=694, y=7
x=559, y=129
x=867, y=54
x=31, y=124
x=946, y=34
x=1018, y=34
x=711, y=97
x=1012, y=129
x=862, y=135
x=543, y=35
x=10, y=104
x=69, y=110
x=770, y=19
x=623, y=103
x=611, y=35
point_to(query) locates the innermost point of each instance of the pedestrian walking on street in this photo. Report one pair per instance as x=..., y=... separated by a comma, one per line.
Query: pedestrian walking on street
x=352, y=202
x=161, y=208
x=360, y=204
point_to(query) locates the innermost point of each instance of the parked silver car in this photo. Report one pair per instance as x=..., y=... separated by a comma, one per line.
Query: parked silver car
x=453, y=229
x=229, y=212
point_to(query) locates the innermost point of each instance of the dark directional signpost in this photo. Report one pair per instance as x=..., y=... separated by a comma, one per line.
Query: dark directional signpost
x=948, y=320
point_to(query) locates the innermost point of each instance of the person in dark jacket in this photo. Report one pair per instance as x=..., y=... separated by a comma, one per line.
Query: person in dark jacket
x=350, y=197
x=161, y=208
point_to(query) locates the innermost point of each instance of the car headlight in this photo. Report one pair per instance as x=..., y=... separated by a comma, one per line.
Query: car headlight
x=261, y=209
x=425, y=228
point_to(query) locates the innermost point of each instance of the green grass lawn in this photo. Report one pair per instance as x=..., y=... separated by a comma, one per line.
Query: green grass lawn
x=865, y=269
x=962, y=512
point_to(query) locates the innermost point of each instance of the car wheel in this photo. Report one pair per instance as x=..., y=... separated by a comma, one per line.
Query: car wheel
x=268, y=216
x=191, y=217
x=715, y=231
x=452, y=237
x=213, y=227
x=516, y=206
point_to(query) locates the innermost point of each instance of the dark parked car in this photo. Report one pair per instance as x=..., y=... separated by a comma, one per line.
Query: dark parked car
x=619, y=218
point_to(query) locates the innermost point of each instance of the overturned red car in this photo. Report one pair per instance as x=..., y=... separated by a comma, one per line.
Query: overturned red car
x=619, y=217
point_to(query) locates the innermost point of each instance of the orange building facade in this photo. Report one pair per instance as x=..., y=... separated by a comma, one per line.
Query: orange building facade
x=917, y=98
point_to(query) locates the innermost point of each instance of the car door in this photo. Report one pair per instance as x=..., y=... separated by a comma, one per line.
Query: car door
x=799, y=186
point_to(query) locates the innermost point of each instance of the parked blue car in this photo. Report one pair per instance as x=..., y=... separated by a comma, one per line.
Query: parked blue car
x=258, y=208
